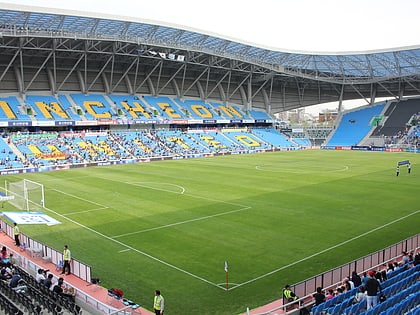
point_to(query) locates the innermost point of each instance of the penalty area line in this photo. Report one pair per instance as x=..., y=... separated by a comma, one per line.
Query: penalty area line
x=128, y=248
x=101, y=206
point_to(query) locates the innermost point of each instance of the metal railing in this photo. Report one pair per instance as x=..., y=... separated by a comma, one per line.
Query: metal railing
x=79, y=269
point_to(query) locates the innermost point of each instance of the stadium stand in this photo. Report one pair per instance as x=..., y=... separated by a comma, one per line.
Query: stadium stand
x=401, y=284
x=354, y=126
x=396, y=117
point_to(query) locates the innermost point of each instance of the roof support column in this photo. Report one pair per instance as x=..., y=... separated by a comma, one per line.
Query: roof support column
x=340, y=100
x=248, y=104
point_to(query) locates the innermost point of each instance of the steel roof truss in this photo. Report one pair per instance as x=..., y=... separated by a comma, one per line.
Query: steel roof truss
x=147, y=77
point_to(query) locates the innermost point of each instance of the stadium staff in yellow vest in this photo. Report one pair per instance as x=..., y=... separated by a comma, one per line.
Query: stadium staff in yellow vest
x=16, y=233
x=159, y=303
x=66, y=260
x=288, y=294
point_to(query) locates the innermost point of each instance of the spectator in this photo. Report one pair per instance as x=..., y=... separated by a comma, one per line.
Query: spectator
x=14, y=281
x=63, y=291
x=365, y=278
x=347, y=284
x=372, y=288
x=360, y=295
x=330, y=294
x=384, y=274
x=339, y=291
x=405, y=258
x=357, y=281
x=12, y=260
x=5, y=275
x=40, y=276
x=58, y=287
x=378, y=276
x=3, y=253
x=417, y=259
x=319, y=296
x=411, y=258
x=49, y=281
x=390, y=268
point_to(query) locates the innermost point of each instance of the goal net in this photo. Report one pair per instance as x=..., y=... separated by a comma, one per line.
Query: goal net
x=28, y=195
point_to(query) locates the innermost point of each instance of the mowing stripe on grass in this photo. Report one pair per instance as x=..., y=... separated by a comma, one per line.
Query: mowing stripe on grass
x=181, y=222
x=141, y=184
x=242, y=208
x=102, y=207
x=128, y=247
x=325, y=250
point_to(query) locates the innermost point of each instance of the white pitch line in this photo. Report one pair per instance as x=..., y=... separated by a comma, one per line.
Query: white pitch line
x=101, y=207
x=128, y=247
x=180, y=222
x=156, y=188
x=242, y=208
x=325, y=250
x=295, y=170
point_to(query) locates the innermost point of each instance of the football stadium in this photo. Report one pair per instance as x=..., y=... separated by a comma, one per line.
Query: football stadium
x=144, y=163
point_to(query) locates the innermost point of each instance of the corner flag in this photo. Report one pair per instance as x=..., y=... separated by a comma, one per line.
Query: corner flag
x=226, y=266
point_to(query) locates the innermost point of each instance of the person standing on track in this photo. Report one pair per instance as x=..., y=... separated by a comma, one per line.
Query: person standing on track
x=16, y=233
x=158, y=303
x=66, y=260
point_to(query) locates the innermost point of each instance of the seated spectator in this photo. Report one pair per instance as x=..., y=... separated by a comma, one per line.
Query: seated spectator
x=411, y=258
x=4, y=261
x=360, y=295
x=40, y=276
x=390, y=268
x=49, y=281
x=12, y=260
x=384, y=274
x=330, y=294
x=378, y=276
x=417, y=259
x=5, y=275
x=14, y=281
x=347, y=284
x=3, y=253
x=60, y=289
x=319, y=296
x=405, y=259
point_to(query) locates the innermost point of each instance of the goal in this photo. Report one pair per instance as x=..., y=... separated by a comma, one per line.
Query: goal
x=28, y=195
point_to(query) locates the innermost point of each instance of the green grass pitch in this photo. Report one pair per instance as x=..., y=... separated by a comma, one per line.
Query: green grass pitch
x=276, y=218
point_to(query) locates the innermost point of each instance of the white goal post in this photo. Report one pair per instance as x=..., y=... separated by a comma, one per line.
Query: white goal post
x=28, y=195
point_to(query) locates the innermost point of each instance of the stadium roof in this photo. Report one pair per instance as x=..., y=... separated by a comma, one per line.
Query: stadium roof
x=325, y=76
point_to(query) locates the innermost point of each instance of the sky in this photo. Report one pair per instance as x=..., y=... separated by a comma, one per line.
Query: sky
x=332, y=26
x=297, y=25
